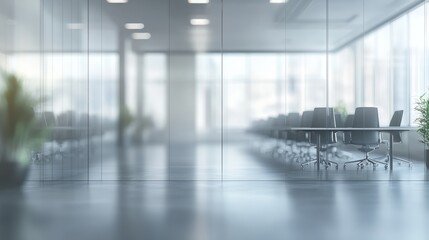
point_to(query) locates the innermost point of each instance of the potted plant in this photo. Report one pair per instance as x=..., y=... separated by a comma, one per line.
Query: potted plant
x=341, y=109
x=19, y=131
x=422, y=106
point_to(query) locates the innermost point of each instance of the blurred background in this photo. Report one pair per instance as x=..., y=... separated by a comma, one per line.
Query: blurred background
x=166, y=89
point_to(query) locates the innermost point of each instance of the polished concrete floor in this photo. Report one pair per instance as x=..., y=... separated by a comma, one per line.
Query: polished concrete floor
x=182, y=197
x=216, y=210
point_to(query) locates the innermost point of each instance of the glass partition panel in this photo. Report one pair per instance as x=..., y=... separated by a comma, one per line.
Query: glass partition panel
x=170, y=90
x=259, y=80
x=194, y=91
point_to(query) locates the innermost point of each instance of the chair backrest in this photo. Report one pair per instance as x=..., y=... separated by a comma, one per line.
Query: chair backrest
x=293, y=120
x=396, y=122
x=279, y=122
x=396, y=118
x=306, y=121
x=67, y=119
x=365, y=117
x=348, y=124
x=324, y=117
x=49, y=119
x=269, y=123
x=339, y=120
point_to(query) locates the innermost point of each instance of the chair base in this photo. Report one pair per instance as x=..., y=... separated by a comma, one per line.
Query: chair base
x=410, y=164
x=325, y=162
x=400, y=160
x=365, y=161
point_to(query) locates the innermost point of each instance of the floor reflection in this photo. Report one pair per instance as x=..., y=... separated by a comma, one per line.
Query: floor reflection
x=203, y=161
x=216, y=210
x=182, y=198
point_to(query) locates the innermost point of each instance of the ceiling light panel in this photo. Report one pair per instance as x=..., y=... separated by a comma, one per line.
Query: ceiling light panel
x=141, y=36
x=117, y=1
x=198, y=1
x=134, y=26
x=279, y=1
x=200, y=21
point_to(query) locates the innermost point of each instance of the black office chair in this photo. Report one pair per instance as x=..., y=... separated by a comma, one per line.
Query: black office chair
x=37, y=154
x=339, y=120
x=366, y=117
x=303, y=138
x=278, y=123
x=396, y=122
x=69, y=134
x=270, y=123
x=49, y=119
x=50, y=122
x=323, y=118
x=348, y=124
x=293, y=120
x=345, y=136
x=306, y=121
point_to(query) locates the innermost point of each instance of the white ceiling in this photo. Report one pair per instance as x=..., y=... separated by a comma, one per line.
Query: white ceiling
x=237, y=25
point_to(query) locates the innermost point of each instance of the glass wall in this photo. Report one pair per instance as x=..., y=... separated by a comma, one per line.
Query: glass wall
x=176, y=105
x=394, y=63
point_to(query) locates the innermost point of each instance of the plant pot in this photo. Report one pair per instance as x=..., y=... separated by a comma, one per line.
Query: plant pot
x=12, y=174
x=427, y=158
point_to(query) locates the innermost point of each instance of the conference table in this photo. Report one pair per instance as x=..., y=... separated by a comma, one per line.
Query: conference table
x=318, y=131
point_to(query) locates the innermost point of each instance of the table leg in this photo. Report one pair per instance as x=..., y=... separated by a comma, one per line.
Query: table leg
x=318, y=151
x=391, y=152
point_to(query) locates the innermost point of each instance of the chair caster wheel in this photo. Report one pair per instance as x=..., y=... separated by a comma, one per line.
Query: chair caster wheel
x=385, y=167
x=336, y=167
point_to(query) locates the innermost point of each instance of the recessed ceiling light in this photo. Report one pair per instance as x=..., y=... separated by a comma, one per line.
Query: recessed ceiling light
x=198, y=1
x=134, y=26
x=74, y=26
x=117, y=1
x=141, y=36
x=200, y=21
x=279, y=1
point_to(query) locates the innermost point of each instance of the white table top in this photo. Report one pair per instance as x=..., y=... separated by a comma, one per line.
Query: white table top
x=381, y=129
